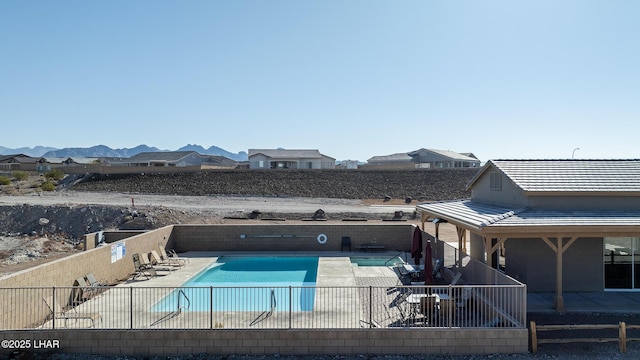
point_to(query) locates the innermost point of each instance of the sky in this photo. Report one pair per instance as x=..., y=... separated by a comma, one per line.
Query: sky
x=354, y=79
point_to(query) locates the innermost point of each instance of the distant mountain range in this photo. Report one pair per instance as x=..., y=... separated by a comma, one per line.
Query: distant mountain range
x=105, y=151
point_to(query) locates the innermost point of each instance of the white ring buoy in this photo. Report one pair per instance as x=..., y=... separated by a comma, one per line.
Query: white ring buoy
x=322, y=239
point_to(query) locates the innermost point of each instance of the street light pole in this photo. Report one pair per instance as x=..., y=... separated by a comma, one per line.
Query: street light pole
x=574, y=152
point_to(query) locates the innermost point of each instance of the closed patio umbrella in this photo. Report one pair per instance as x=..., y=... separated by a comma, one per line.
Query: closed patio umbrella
x=416, y=245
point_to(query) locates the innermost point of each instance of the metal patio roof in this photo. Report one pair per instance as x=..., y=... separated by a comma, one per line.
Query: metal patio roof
x=489, y=219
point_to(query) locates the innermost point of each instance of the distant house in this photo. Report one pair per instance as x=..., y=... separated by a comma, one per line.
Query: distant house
x=564, y=225
x=442, y=159
x=172, y=159
x=348, y=164
x=398, y=160
x=18, y=162
x=289, y=159
x=47, y=164
x=425, y=159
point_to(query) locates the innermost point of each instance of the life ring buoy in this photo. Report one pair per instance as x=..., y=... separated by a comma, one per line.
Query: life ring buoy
x=322, y=239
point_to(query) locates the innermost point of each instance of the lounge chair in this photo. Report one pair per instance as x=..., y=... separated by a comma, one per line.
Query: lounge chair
x=155, y=259
x=407, y=272
x=82, y=290
x=173, y=258
x=142, y=267
x=95, y=284
x=55, y=312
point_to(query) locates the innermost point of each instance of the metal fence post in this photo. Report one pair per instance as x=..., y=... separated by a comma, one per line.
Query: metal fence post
x=53, y=310
x=131, y=307
x=290, y=308
x=210, y=307
x=370, y=305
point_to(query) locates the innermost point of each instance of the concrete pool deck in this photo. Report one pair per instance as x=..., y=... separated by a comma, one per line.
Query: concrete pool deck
x=338, y=301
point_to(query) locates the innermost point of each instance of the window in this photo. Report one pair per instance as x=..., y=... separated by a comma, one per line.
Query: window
x=495, y=181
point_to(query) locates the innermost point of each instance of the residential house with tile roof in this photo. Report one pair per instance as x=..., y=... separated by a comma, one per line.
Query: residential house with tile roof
x=289, y=159
x=425, y=159
x=173, y=159
x=443, y=159
x=18, y=162
x=564, y=225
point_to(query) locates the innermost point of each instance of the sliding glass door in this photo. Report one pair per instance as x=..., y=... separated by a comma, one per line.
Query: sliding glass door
x=621, y=263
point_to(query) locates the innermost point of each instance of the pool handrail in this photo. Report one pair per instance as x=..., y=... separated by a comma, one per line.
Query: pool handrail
x=180, y=307
x=398, y=255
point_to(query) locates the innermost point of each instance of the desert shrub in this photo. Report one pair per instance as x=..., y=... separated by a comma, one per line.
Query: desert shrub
x=48, y=186
x=20, y=175
x=55, y=174
x=4, y=180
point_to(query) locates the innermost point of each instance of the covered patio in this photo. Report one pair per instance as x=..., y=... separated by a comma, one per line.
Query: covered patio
x=572, y=225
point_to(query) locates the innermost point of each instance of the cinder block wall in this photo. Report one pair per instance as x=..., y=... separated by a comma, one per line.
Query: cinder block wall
x=286, y=237
x=64, y=272
x=285, y=342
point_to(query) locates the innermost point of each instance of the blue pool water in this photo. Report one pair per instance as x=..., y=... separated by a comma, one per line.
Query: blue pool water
x=249, y=284
x=375, y=261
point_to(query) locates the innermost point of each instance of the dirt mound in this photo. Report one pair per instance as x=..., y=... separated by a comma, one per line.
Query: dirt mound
x=18, y=253
x=67, y=222
x=420, y=185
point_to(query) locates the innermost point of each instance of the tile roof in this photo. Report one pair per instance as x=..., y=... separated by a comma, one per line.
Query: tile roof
x=159, y=156
x=392, y=157
x=287, y=153
x=570, y=175
x=450, y=154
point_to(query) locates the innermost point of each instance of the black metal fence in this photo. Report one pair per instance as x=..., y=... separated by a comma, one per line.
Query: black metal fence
x=123, y=307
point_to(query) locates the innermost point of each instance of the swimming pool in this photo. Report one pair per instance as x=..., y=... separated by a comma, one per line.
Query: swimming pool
x=375, y=261
x=238, y=283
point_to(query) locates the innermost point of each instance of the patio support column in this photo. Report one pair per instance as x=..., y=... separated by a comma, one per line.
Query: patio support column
x=424, y=217
x=559, y=248
x=492, y=245
x=462, y=239
x=487, y=250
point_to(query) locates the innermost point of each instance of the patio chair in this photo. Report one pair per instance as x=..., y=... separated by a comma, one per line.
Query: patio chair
x=143, y=268
x=443, y=290
x=400, y=305
x=173, y=258
x=56, y=312
x=370, y=324
x=465, y=296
